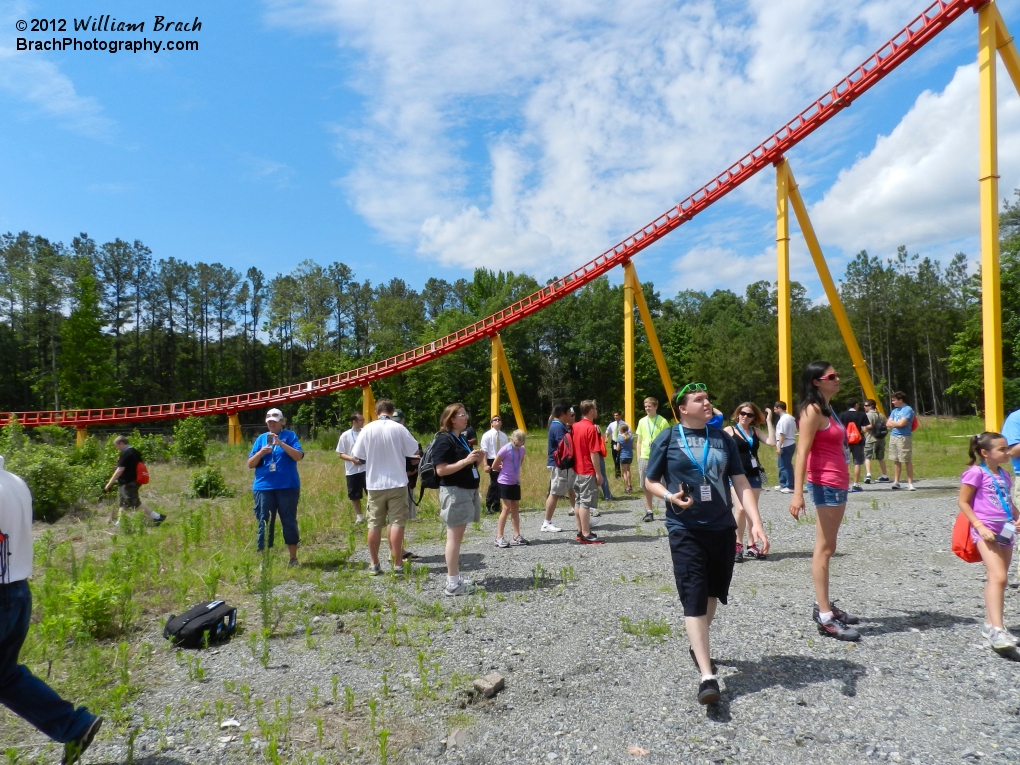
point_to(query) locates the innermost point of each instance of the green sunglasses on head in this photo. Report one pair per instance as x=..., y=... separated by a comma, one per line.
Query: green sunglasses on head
x=689, y=388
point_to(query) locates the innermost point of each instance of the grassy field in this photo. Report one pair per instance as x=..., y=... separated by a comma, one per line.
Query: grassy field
x=100, y=593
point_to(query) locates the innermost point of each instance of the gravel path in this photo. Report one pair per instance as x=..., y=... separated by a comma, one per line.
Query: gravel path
x=919, y=687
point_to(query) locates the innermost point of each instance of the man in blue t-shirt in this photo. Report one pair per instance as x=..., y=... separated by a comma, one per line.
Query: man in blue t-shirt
x=277, y=488
x=1011, y=432
x=901, y=428
x=561, y=480
x=689, y=466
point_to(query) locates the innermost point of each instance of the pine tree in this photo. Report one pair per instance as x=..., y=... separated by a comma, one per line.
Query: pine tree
x=86, y=368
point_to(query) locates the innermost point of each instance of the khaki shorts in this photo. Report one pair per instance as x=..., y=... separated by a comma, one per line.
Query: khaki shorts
x=459, y=507
x=900, y=448
x=561, y=481
x=586, y=491
x=642, y=468
x=874, y=449
x=127, y=495
x=387, y=507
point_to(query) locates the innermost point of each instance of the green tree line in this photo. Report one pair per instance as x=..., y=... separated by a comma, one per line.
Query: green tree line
x=91, y=325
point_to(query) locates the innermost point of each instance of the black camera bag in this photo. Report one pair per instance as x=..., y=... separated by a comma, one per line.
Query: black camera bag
x=213, y=618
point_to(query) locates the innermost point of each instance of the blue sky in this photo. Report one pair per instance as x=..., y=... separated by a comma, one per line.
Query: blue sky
x=420, y=139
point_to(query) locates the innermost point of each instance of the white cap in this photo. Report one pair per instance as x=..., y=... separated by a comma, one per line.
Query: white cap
x=275, y=415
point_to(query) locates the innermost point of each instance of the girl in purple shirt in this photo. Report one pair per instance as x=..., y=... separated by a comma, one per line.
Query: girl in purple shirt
x=985, y=501
x=508, y=464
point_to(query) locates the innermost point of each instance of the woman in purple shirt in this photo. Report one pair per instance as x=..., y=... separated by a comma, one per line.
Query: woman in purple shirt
x=508, y=464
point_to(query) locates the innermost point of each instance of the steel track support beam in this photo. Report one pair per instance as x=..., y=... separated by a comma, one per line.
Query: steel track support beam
x=988, y=183
x=233, y=429
x=80, y=434
x=628, y=347
x=860, y=366
x=494, y=378
x=511, y=392
x=367, y=403
x=783, y=284
x=653, y=338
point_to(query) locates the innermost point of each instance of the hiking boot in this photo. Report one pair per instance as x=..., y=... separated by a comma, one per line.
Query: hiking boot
x=738, y=556
x=73, y=750
x=708, y=692
x=837, y=613
x=695, y=660
x=867, y=478
x=374, y=569
x=754, y=552
x=548, y=527
x=998, y=638
x=460, y=587
x=159, y=520
x=836, y=629
x=500, y=542
x=519, y=542
x=649, y=517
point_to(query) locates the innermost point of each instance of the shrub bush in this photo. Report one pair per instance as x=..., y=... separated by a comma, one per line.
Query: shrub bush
x=153, y=447
x=55, y=487
x=89, y=453
x=209, y=483
x=12, y=437
x=189, y=441
x=54, y=435
x=94, y=607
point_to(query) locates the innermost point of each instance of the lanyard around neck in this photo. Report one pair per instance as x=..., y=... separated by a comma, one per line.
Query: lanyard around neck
x=749, y=439
x=998, y=491
x=687, y=448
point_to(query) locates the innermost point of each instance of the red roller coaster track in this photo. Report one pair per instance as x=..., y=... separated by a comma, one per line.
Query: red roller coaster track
x=910, y=39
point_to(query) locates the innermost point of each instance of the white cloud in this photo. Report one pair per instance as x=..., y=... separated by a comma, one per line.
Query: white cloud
x=918, y=186
x=30, y=78
x=268, y=170
x=595, y=116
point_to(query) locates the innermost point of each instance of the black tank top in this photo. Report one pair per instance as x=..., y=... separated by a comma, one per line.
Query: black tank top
x=747, y=451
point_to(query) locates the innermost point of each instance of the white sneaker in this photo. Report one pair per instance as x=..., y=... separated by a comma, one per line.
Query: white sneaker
x=547, y=526
x=360, y=519
x=785, y=490
x=895, y=485
x=374, y=569
x=998, y=638
x=461, y=587
x=910, y=487
x=594, y=522
x=501, y=542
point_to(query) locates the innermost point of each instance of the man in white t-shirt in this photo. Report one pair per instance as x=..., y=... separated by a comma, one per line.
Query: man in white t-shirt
x=612, y=438
x=786, y=433
x=493, y=440
x=20, y=691
x=355, y=468
x=384, y=446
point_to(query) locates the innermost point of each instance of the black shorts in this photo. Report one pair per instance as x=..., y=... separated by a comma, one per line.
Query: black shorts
x=702, y=567
x=356, y=486
x=509, y=491
x=626, y=460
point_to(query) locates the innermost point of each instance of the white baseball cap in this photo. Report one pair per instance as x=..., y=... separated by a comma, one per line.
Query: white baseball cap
x=275, y=415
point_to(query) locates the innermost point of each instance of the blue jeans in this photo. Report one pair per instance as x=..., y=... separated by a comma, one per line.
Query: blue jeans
x=22, y=692
x=605, y=479
x=272, y=502
x=786, y=466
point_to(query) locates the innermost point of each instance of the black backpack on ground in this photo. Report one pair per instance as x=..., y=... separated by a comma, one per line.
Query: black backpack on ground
x=213, y=618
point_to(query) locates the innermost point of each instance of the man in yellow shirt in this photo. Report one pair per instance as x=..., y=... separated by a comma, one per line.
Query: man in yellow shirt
x=648, y=427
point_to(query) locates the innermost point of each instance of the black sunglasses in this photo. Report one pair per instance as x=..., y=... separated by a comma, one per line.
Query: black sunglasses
x=747, y=414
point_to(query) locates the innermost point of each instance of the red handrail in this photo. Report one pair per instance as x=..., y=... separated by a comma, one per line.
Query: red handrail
x=904, y=44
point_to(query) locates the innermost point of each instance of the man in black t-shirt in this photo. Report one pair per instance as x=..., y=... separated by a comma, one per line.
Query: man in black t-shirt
x=688, y=466
x=860, y=421
x=126, y=478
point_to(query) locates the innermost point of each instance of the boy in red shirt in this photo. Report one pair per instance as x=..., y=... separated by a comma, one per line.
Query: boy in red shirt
x=588, y=447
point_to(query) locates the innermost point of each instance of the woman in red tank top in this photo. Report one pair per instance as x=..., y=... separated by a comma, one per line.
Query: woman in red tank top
x=821, y=467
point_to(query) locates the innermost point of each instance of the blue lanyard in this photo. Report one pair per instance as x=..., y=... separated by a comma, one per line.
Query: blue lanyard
x=687, y=448
x=749, y=439
x=998, y=491
x=463, y=442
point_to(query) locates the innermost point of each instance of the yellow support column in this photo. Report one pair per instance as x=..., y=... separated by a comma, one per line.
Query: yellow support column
x=988, y=181
x=653, y=337
x=497, y=347
x=628, y=349
x=783, y=284
x=367, y=403
x=511, y=392
x=860, y=366
x=80, y=434
x=233, y=429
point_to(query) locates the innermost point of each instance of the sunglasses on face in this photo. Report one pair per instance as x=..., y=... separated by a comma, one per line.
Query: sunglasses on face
x=747, y=414
x=831, y=377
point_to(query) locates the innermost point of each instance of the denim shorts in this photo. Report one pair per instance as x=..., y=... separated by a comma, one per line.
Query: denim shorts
x=826, y=496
